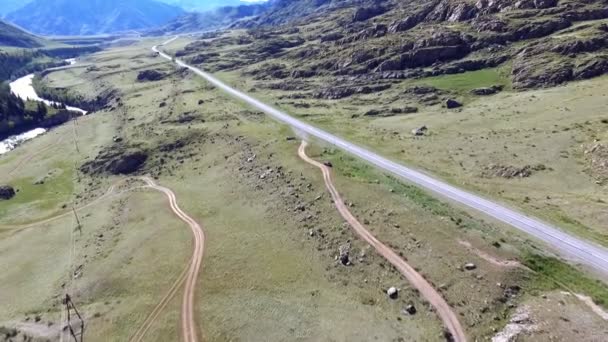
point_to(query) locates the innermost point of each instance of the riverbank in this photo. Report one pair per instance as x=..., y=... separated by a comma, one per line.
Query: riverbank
x=24, y=89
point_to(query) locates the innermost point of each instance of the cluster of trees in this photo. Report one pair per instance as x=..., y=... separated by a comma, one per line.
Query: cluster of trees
x=17, y=117
x=15, y=64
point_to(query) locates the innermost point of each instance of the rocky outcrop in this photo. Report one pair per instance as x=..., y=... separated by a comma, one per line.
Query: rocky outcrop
x=579, y=45
x=203, y=57
x=376, y=31
x=508, y=172
x=116, y=161
x=274, y=46
x=403, y=25
x=303, y=73
x=448, y=10
x=6, y=192
x=150, y=75
x=335, y=93
x=527, y=73
x=269, y=70
x=555, y=62
x=364, y=13
x=469, y=65
x=582, y=14
x=423, y=57
x=591, y=68
x=537, y=29
x=331, y=37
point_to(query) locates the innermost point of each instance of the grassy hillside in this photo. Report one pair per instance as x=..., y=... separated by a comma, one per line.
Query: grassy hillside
x=15, y=37
x=374, y=72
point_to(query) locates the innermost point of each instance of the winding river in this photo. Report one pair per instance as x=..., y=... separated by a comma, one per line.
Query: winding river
x=23, y=88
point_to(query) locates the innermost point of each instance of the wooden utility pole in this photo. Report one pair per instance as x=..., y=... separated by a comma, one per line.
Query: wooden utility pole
x=78, y=225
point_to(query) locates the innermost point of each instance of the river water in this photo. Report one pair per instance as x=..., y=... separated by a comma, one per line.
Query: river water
x=23, y=88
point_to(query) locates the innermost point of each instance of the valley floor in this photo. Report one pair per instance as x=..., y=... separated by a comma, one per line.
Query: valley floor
x=273, y=236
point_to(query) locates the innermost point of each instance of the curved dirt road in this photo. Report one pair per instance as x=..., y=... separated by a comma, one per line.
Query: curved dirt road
x=189, y=274
x=188, y=323
x=449, y=318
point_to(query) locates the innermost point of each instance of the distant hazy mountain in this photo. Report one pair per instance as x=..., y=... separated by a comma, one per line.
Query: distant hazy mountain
x=206, y=5
x=8, y=6
x=16, y=37
x=86, y=17
x=209, y=20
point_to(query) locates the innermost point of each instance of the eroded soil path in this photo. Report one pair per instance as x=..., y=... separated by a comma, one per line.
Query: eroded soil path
x=444, y=311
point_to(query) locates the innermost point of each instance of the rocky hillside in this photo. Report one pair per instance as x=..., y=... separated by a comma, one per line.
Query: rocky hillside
x=543, y=42
x=87, y=17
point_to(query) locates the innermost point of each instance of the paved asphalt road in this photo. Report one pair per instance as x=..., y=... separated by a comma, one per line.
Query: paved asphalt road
x=566, y=245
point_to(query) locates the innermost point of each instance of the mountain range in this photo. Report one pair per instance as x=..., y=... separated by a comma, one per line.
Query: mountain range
x=207, y=5
x=213, y=19
x=89, y=17
x=16, y=37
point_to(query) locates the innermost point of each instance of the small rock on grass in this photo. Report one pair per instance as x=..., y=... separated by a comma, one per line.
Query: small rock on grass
x=392, y=293
x=409, y=309
x=451, y=103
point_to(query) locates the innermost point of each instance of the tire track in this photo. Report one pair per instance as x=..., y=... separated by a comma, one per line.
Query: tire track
x=444, y=311
x=29, y=157
x=188, y=323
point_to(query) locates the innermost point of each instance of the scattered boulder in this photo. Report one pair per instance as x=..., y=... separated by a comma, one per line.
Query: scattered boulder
x=6, y=192
x=470, y=266
x=150, y=75
x=344, y=251
x=420, y=130
x=328, y=164
x=372, y=112
x=392, y=293
x=404, y=110
x=451, y=103
x=410, y=309
x=494, y=170
x=597, y=158
x=487, y=90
